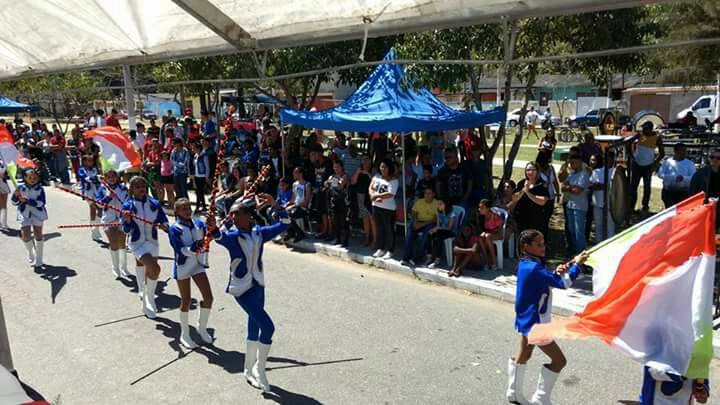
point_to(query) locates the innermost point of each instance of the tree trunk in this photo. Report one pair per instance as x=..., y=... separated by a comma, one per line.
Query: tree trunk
x=515, y=148
x=241, y=100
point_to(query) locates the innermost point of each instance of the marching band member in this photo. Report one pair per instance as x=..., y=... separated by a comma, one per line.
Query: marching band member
x=533, y=304
x=186, y=237
x=114, y=193
x=663, y=388
x=244, y=241
x=144, y=239
x=89, y=183
x=29, y=198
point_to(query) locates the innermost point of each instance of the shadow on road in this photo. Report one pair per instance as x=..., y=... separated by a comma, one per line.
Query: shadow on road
x=57, y=276
x=282, y=396
x=10, y=232
x=51, y=235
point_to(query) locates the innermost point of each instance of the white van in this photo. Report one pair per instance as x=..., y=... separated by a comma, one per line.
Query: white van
x=702, y=108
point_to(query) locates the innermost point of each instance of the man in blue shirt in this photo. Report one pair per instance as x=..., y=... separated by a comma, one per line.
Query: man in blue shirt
x=209, y=132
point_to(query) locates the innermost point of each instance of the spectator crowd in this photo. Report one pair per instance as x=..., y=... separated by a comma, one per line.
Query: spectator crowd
x=333, y=185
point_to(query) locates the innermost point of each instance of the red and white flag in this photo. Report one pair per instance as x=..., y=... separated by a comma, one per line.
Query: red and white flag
x=8, y=151
x=115, y=147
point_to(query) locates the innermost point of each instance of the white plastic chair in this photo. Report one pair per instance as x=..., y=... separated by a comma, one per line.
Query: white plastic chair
x=449, y=241
x=499, y=256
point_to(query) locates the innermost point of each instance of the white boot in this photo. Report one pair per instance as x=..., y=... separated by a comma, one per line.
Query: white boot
x=115, y=263
x=185, y=338
x=95, y=233
x=202, y=325
x=31, y=255
x=140, y=280
x=3, y=219
x=149, y=307
x=39, y=253
x=546, y=382
x=516, y=375
x=122, y=254
x=259, y=369
x=250, y=359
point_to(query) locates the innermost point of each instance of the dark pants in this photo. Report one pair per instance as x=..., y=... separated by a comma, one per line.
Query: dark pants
x=180, y=181
x=589, y=218
x=568, y=237
x=341, y=226
x=384, y=221
x=200, y=191
x=437, y=242
x=212, y=161
x=413, y=234
x=672, y=197
x=297, y=214
x=644, y=173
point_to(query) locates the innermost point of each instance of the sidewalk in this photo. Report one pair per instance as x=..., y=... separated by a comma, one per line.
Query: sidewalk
x=496, y=284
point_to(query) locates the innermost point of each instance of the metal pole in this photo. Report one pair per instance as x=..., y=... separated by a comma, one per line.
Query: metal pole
x=606, y=196
x=402, y=171
x=129, y=96
x=5, y=353
x=282, y=149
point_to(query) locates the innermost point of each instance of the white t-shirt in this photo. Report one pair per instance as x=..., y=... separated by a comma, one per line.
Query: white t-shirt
x=139, y=140
x=379, y=186
x=532, y=117
x=598, y=177
x=299, y=190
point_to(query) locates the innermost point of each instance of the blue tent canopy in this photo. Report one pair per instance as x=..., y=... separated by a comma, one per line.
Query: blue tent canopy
x=8, y=106
x=384, y=103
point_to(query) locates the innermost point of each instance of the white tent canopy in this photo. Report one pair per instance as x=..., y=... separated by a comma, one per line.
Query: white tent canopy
x=45, y=36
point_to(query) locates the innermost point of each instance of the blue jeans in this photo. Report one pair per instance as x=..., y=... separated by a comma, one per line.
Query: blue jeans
x=180, y=181
x=260, y=326
x=413, y=234
x=576, y=226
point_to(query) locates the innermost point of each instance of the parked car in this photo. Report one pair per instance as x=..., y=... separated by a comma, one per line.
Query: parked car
x=591, y=119
x=513, y=118
x=149, y=115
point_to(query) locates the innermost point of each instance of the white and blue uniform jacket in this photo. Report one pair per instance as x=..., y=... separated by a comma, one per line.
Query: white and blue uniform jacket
x=33, y=209
x=661, y=388
x=140, y=232
x=89, y=181
x=246, y=248
x=104, y=195
x=533, y=298
x=186, y=238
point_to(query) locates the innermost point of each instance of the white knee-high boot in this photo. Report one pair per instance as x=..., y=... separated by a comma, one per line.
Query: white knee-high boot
x=149, y=307
x=122, y=254
x=115, y=262
x=140, y=280
x=546, y=382
x=250, y=358
x=39, y=253
x=3, y=218
x=30, y=246
x=185, y=338
x=516, y=376
x=202, y=325
x=259, y=369
x=95, y=233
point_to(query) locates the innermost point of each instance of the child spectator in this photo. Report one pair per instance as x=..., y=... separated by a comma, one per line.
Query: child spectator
x=284, y=194
x=166, y=178
x=180, y=168
x=447, y=226
x=597, y=186
x=426, y=180
x=492, y=231
x=465, y=252
x=202, y=169
x=299, y=203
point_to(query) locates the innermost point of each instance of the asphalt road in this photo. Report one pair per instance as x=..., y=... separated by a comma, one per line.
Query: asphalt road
x=346, y=334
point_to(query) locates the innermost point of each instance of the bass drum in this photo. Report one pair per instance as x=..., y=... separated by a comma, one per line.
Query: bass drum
x=608, y=123
x=620, y=197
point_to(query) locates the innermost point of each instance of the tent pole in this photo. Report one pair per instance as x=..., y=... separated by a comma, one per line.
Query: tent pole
x=404, y=189
x=129, y=96
x=282, y=149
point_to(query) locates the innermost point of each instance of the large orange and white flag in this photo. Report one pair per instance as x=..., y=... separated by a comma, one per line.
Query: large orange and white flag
x=653, y=287
x=116, y=149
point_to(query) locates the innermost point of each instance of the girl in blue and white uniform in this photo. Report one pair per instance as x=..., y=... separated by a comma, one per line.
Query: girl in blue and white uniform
x=663, y=388
x=144, y=240
x=244, y=241
x=186, y=237
x=114, y=193
x=88, y=175
x=533, y=304
x=29, y=198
